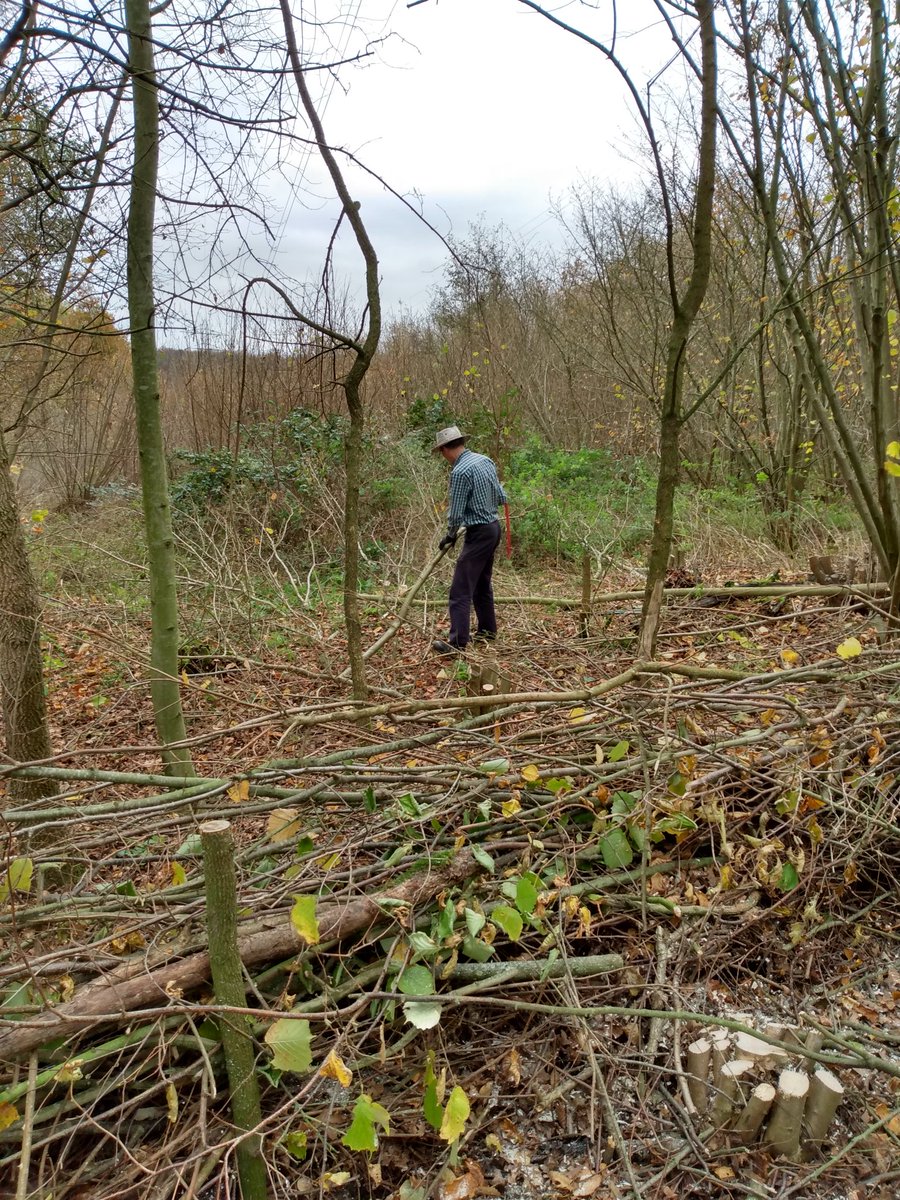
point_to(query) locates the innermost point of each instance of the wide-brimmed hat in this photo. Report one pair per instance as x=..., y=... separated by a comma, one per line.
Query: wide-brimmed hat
x=444, y=436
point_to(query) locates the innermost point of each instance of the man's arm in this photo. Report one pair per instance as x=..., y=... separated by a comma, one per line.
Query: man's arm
x=459, y=494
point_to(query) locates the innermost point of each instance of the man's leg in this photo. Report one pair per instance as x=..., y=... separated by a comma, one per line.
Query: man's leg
x=483, y=592
x=478, y=549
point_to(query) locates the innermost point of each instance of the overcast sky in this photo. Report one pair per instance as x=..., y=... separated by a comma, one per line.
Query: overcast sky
x=475, y=109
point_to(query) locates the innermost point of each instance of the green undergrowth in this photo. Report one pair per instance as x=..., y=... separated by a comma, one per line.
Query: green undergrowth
x=260, y=532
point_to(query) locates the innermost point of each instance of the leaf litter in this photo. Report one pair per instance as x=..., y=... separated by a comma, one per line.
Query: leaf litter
x=725, y=824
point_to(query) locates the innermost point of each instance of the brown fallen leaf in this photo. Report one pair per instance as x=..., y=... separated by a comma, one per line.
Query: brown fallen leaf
x=466, y=1186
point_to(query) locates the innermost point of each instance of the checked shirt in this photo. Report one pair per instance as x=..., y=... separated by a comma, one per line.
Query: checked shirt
x=475, y=491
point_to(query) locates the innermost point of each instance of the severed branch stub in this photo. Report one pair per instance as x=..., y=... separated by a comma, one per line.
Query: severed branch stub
x=729, y=1096
x=785, y=1125
x=749, y=1121
x=699, y=1055
x=825, y=1094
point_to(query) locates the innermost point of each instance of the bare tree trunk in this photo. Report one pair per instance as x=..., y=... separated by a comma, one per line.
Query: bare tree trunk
x=164, y=639
x=684, y=313
x=353, y=468
x=27, y=736
x=364, y=351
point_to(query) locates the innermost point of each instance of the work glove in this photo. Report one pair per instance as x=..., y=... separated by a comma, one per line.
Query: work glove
x=448, y=540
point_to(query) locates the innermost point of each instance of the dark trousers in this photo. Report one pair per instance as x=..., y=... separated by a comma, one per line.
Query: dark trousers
x=472, y=583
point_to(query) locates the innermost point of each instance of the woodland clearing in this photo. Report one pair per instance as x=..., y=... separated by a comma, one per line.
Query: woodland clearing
x=705, y=841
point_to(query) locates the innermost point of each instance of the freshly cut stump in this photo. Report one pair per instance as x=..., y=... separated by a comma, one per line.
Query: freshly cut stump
x=750, y=1119
x=825, y=1094
x=783, y=1133
x=729, y=1094
x=699, y=1054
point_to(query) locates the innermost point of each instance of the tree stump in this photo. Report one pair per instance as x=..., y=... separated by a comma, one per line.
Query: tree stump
x=486, y=679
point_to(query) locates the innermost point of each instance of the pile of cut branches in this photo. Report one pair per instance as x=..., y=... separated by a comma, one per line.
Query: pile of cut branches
x=474, y=954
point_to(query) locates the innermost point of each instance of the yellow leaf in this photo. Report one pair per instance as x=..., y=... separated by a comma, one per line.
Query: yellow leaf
x=335, y=1179
x=69, y=1072
x=790, y=657
x=510, y=807
x=493, y=1143
x=893, y=450
x=9, y=1114
x=456, y=1114
x=726, y=876
x=172, y=1103
x=851, y=648
x=66, y=988
x=179, y=874
x=303, y=918
x=723, y=1172
x=283, y=824
x=892, y=468
x=577, y=715
x=334, y=1067
x=530, y=773
x=239, y=791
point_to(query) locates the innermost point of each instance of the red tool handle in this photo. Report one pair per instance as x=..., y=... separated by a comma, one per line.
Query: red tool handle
x=508, y=532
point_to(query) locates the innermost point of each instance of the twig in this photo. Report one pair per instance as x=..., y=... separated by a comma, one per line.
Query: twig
x=27, y=1130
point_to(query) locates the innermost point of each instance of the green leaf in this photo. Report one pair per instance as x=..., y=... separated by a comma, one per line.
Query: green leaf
x=482, y=857
x=432, y=1107
x=416, y=981
x=509, y=921
x=290, y=1041
x=495, y=766
x=477, y=950
x=789, y=877
x=294, y=1141
x=400, y=852
x=419, y=981
x=616, y=850
x=191, y=847
x=446, y=921
x=526, y=895
x=676, y=823
x=369, y=799
x=422, y=943
x=556, y=786
x=410, y=805
x=367, y=1113
x=677, y=784
x=474, y=921
x=424, y=1014
x=17, y=878
x=618, y=752
x=455, y=1115
x=303, y=918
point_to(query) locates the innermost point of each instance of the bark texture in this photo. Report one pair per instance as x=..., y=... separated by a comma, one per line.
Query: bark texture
x=164, y=638
x=26, y=733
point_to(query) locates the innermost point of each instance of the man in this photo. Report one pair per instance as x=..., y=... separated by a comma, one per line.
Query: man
x=475, y=496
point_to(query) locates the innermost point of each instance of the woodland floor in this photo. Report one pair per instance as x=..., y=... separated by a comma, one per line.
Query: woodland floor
x=726, y=821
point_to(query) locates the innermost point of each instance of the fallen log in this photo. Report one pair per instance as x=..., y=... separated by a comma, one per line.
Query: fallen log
x=139, y=984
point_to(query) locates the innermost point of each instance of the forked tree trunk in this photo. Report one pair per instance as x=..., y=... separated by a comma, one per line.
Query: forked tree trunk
x=363, y=353
x=164, y=640
x=27, y=736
